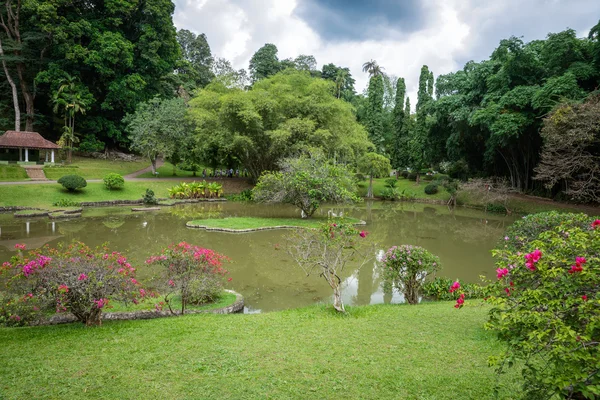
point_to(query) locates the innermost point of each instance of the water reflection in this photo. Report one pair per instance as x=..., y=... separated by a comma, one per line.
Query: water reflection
x=261, y=268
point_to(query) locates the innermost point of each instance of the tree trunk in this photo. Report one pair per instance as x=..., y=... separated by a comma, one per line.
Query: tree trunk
x=153, y=164
x=29, y=99
x=14, y=91
x=94, y=318
x=337, y=299
x=370, y=191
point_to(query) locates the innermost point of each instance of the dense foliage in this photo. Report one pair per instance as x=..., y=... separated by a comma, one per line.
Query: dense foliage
x=306, y=182
x=72, y=182
x=196, y=190
x=74, y=279
x=277, y=118
x=113, y=181
x=547, y=305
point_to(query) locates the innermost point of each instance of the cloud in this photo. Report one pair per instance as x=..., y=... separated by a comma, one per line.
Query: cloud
x=400, y=35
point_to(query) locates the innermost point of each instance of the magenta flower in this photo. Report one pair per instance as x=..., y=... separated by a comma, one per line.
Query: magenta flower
x=171, y=283
x=584, y=297
x=20, y=246
x=455, y=286
x=82, y=277
x=460, y=301
x=363, y=234
x=596, y=224
x=101, y=303
x=502, y=272
x=63, y=289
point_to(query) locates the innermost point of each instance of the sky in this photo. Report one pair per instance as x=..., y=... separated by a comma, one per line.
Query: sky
x=401, y=35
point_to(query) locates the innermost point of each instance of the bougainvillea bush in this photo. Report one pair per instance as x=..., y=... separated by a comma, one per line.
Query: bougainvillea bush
x=74, y=279
x=194, y=273
x=546, y=306
x=406, y=267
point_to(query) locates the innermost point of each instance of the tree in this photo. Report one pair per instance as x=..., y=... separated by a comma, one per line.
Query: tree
x=197, y=57
x=372, y=68
x=278, y=117
x=13, y=87
x=327, y=251
x=264, y=63
x=158, y=128
x=343, y=80
x=374, y=121
x=306, y=182
x=374, y=165
x=399, y=139
x=229, y=77
x=570, y=156
x=305, y=63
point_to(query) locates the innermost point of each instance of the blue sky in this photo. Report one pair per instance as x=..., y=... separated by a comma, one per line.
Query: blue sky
x=401, y=35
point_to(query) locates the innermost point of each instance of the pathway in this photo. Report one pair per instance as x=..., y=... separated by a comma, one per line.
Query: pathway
x=134, y=175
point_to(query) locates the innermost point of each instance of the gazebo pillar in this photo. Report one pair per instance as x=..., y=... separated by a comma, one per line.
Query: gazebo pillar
x=46, y=155
x=26, y=155
x=52, y=157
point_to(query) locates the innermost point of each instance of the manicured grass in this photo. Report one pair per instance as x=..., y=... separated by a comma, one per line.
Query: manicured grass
x=11, y=173
x=166, y=171
x=241, y=223
x=429, y=351
x=44, y=195
x=91, y=168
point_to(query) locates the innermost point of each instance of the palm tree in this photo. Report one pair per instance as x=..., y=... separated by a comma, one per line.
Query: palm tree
x=69, y=99
x=372, y=68
x=340, y=81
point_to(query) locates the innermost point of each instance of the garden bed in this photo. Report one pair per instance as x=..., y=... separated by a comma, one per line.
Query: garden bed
x=251, y=224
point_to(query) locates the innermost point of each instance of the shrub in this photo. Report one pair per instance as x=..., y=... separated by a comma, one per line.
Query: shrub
x=495, y=208
x=72, y=182
x=391, y=182
x=412, y=176
x=193, y=272
x=149, y=197
x=75, y=279
x=441, y=178
x=547, y=307
x=437, y=289
x=528, y=228
x=90, y=144
x=405, y=268
x=114, y=181
x=66, y=203
x=459, y=170
x=360, y=177
x=404, y=174
x=244, y=195
x=390, y=193
x=432, y=188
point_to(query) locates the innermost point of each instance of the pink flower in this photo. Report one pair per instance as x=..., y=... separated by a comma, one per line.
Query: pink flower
x=575, y=268
x=584, y=297
x=507, y=290
x=363, y=234
x=229, y=279
x=580, y=260
x=142, y=292
x=134, y=281
x=532, y=258
x=502, y=272
x=82, y=277
x=20, y=246
x=171, y=283
x=596, y=224
x=460, y=301
x=101, y=303
x=455, y=286
x=63, y=288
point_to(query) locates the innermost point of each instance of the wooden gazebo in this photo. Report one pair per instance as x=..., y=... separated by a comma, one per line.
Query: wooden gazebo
x=25, y=141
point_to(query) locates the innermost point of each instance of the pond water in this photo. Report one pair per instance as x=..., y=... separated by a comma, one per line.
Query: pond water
x=261, y=268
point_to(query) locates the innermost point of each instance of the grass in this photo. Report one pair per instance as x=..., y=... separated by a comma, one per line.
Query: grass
x=44, y=195
x=241, y=223
x=91, y=168
x=429, y=351
x=403, y=185
x=166, y=171
x=12, y=173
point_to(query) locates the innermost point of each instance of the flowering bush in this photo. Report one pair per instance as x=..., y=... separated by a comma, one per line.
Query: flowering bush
x=547, y=307
x=75, y=279
x=406, y=267
x=437, y=289
x=193, y=272
x=327, y=250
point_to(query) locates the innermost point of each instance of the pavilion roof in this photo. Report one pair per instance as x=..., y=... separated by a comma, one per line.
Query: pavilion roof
x=30, y=140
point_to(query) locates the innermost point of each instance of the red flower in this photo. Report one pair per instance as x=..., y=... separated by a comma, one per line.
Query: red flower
x=575, y=268
x=596, y=224
x=584, y=297
x=460, y=301
x=363, y=234
x=502, y=272
x=455, y=286
x=532, y=258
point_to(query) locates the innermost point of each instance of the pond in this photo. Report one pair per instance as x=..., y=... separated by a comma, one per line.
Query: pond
x=261, y=269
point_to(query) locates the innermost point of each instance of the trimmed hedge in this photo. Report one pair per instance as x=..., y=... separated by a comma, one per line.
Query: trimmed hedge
x=72, y=182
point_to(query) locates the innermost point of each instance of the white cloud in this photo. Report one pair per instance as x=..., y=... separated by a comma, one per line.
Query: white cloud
x=455, y=31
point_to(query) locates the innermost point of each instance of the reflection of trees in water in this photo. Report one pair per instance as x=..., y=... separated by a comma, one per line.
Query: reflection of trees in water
x=113, y=223
x=197, y=211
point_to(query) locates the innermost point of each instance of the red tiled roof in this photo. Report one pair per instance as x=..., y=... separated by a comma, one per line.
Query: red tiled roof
x=30, y=140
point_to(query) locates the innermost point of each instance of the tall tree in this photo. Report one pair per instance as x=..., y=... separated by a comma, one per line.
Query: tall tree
x=196, y=56
x=399, y=137
x=343, y=79
x=13, y=87
x=372, y=68
x=375, y=113
x=264, y=62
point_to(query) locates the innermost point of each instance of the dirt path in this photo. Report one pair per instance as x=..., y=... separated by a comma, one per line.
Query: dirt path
x=159, y=163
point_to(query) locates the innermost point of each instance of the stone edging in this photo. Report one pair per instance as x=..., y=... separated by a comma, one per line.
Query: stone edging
x=237, y=306
x=263, y=228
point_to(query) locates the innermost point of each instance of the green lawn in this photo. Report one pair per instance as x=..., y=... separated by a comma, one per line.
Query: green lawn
x=166, y=171
x=44, y=195
x=11, y=173
x=429, y=351
x=242, y=223
x=403, y=185
x=91, y=168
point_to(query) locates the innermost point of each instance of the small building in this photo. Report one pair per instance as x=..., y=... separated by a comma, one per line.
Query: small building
x=26, y=147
